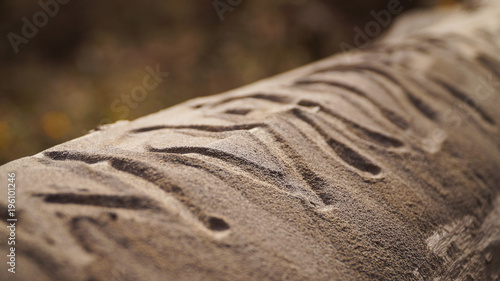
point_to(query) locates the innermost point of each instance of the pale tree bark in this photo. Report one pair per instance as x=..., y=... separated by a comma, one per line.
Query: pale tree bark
x=381, y=164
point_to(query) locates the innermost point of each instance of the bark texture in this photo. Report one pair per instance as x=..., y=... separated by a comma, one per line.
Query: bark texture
x=381, y=164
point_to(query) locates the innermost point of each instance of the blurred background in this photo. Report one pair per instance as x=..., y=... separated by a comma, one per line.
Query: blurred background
x=79, y=68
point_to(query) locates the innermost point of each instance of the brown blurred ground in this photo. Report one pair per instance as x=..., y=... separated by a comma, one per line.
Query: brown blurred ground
x=71, y=76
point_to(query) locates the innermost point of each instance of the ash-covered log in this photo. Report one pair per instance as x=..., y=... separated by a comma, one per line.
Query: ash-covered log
x=382, y=164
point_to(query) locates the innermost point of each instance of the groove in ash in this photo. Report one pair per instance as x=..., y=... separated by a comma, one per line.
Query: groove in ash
x=472, y=104
x=388, y=114
x=276, y=98
x=208, y=128
x=132, y=167
x=346, y=153
x=109, y=201
x=359, y=130
x=417, y=102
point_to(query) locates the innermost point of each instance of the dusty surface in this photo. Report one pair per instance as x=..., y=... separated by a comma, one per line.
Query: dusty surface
x=381, y=165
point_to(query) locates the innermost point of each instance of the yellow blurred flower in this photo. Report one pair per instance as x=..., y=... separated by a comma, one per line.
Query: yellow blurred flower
x=56, y=124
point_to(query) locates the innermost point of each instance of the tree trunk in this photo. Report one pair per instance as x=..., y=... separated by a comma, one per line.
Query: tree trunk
x=381, y=164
